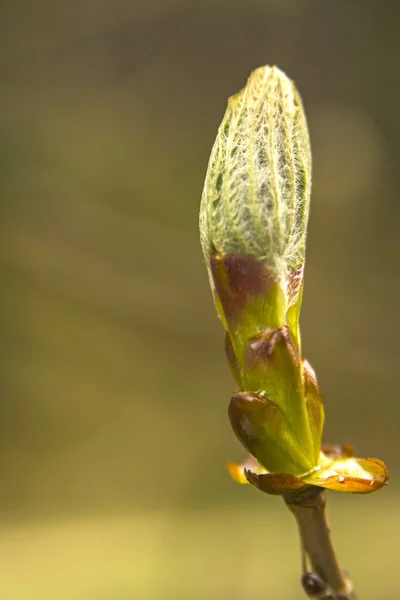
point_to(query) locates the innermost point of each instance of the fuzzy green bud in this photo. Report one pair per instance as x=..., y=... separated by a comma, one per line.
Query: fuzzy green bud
x=257, y=188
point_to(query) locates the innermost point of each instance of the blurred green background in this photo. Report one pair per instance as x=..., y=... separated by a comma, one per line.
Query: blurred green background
x=114, y=386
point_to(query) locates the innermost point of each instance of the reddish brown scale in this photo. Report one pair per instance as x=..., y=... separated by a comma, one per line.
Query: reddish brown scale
x=249, y=415
x=274, y=483
x=262, y=348
x=248, y=406
x=238, y=279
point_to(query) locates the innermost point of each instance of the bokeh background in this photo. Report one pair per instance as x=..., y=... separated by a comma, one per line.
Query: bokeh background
x=114, y=386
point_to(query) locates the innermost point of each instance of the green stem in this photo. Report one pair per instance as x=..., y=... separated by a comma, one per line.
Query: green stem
x=309, y=509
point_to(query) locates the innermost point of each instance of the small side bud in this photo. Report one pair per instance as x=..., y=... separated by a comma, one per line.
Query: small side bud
x=313, y=585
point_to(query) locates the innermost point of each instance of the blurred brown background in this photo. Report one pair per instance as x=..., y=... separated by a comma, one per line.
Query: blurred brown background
x=114, y=386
